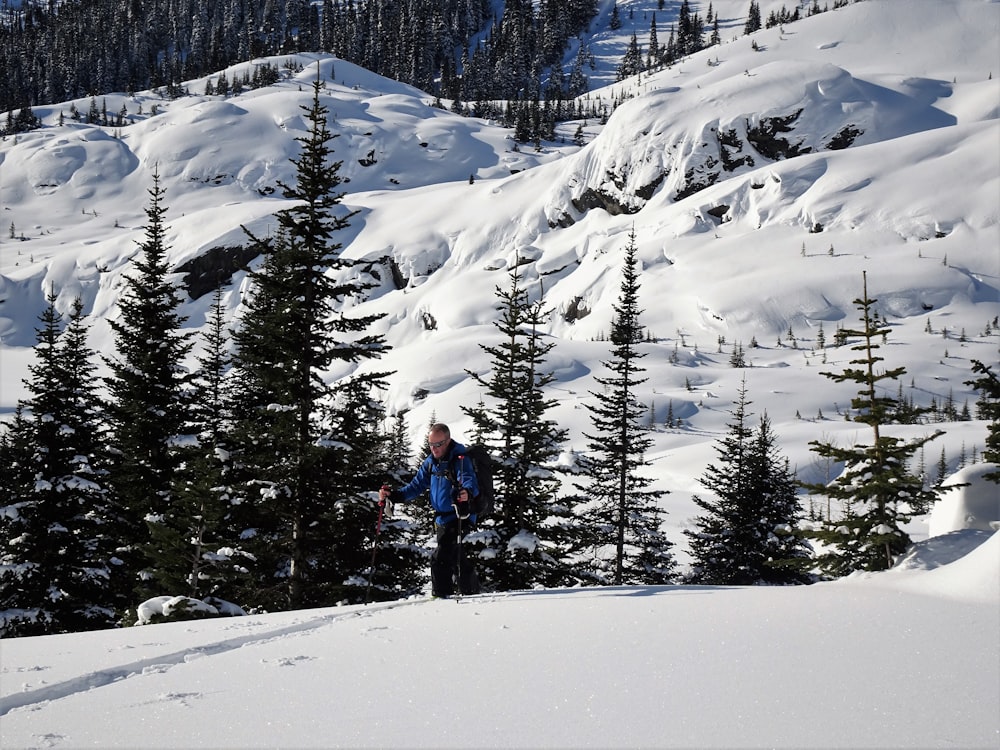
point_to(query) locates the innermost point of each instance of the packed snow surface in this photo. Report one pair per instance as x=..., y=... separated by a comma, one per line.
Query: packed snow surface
x=906, y=658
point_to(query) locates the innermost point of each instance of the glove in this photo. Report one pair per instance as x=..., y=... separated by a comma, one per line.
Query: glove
x=462, y=504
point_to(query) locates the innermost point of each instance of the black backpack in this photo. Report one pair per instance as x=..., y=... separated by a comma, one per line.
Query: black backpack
x=482, y=464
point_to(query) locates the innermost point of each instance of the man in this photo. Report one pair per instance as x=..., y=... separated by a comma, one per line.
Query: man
x=449, y=475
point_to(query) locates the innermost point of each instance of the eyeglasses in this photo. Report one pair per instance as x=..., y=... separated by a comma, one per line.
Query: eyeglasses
x=436, y=443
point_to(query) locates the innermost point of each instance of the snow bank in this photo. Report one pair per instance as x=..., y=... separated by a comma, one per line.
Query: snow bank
x=976, y=506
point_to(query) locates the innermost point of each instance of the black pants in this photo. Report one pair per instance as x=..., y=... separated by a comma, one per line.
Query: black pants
x=449, y=562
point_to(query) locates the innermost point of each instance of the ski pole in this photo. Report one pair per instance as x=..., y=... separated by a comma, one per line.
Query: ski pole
x=458, y=540
x=378, y=531
x=458, y=553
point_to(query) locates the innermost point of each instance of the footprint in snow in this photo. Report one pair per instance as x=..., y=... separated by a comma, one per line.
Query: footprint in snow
x=288, y=661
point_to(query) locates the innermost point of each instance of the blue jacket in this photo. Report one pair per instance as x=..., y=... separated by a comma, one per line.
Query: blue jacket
x=434, y=475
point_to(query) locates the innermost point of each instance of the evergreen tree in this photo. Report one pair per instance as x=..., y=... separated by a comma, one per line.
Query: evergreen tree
x=753, y=22
x=406, y=529
x=988, y=408
x=615, y=22
x=196, y=548
x=877, y=492
x=294, y=469
x=577, y=83
x=689, y=30
x=624, y=511
x=782, y=551
x=341, y=567
x=58, y=567
x=15, y=463
x=148, y=405
x=746, y=528
x=521, y=545
x=653, y=50
x=398, y=450
x=631, y=63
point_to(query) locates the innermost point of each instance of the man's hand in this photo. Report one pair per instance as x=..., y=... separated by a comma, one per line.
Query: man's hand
x=462, y=503
x=384, y=492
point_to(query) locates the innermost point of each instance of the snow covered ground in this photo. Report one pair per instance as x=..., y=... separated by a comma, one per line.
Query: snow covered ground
x=907, y=658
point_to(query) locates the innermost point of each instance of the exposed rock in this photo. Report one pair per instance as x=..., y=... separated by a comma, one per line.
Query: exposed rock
x=845, y=138
x=564, y=221
x=215, y=268
x=646, y=191
x=398, y=279
x=719, y=212
x=764, y=137
x=730, y=145
x=695, y=181
x=591, y=198
x=576, y=310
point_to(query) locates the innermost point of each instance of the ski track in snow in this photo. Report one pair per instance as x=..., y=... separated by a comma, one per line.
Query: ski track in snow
x=163, y=662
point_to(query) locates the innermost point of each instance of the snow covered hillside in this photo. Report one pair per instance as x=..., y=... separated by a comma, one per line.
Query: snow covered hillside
x=753, y=221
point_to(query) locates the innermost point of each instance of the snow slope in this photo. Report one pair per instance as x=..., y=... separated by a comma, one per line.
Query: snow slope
x=902, y=659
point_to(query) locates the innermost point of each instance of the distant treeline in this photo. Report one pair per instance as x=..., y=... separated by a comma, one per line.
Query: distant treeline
x=457, y=49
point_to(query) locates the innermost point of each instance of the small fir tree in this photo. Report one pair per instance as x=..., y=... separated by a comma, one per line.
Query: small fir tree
x=523, y=544
x=745, y=537
x=988, y=408
x=877, y=492
x=624, y=511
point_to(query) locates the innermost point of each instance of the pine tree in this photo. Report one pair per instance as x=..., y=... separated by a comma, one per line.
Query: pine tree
x=196, y=548
x=615, y=21
x=753, y=22
x=689, y=30
x=653, y=49
x=521, y=546
x=58, y=565
x=746, y=528
x=624, y=511
x=781, y=550
x=147, y=405
x=398, y=450
x=988, y=408
x=341, y=565
x=15, y=463
x=631, y=63
x=877, y=492
x=293, y=467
